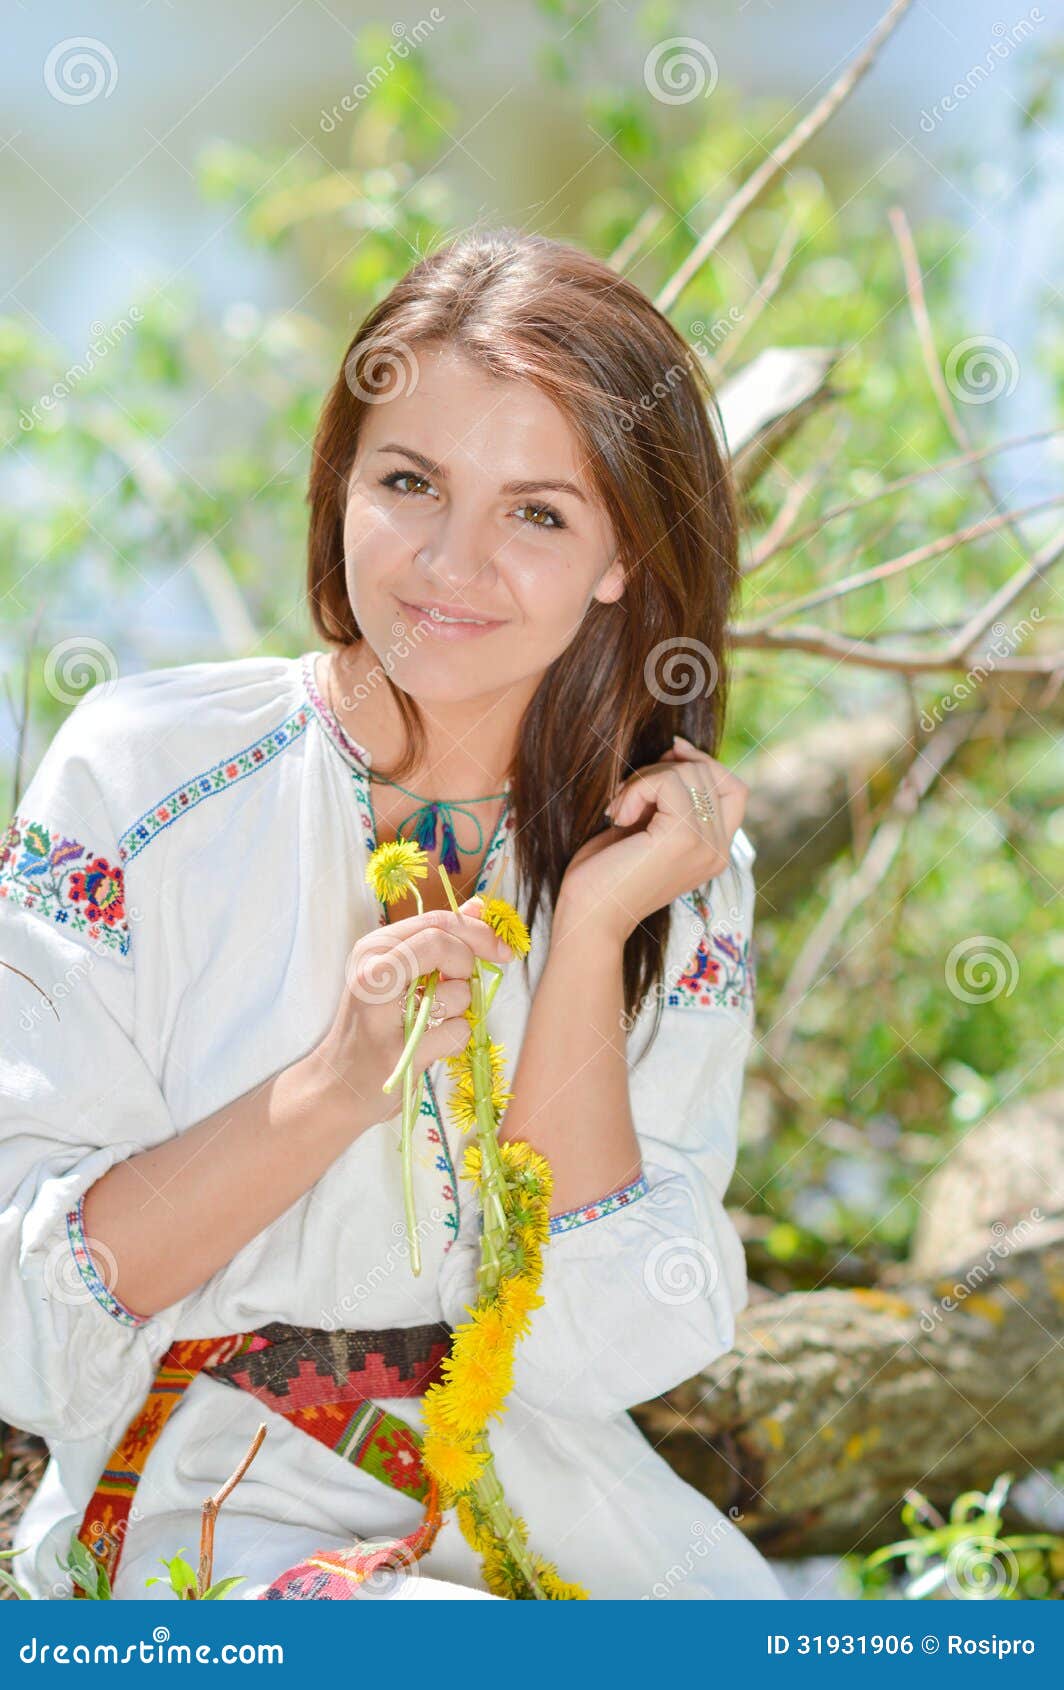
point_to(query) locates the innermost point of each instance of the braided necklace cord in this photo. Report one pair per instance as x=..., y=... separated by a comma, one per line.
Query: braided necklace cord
x=432, y=814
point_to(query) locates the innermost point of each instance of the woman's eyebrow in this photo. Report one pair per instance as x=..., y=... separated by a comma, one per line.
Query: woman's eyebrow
x=430, y=468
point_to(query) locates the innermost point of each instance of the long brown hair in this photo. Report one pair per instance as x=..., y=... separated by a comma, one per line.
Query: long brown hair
x=528, y=308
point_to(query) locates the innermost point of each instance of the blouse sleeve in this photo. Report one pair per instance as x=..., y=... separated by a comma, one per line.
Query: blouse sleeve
x=76, y=1096
x=642, y=1288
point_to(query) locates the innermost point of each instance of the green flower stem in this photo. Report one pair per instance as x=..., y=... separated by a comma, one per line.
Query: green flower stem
x=492, y=1180
x=414, y=1032
x=491, y=1498
x=406, y=1146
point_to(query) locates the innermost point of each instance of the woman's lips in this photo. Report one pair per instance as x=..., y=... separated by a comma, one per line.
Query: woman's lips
x=447, y=630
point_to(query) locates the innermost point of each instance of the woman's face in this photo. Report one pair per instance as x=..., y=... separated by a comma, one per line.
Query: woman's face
x=468, y=494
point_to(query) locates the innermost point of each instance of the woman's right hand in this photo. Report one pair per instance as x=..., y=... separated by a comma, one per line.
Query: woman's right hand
x=366, y=1038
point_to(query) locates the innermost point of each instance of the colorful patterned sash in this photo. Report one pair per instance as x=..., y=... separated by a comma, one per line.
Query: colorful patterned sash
x=321, y=1381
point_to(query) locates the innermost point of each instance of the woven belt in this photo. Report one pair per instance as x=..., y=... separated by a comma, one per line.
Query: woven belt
x=322, y=1381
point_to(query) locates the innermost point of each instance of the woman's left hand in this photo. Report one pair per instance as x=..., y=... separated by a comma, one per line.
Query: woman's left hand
x=657, y=848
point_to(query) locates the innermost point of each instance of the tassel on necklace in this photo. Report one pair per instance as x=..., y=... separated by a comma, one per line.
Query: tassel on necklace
x=425, y=835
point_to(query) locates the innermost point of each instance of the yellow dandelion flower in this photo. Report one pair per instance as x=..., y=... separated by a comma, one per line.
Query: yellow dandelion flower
x=476, y=1389
x=504, y=920
x=477, y=1532
x=485, y=1337
x=554, y=1586
x=519, y=1298
x=393, y=868
x=499, y=1573
x=530, y=1239
x=463, y=1107
x=434, y=1416
x=455, y=1465
x=461, y=1067
x=471, y=1162
x=519, y=1157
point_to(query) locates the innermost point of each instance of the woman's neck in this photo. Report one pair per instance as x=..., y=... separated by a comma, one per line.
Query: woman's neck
x=468, y=748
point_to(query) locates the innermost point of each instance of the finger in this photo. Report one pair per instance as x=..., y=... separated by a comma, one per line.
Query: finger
x=682, y=755
x=668, y=792
x=468, y=928
x=450, y=942
x=452, y=997
x=642, y=790
x=682, y=751
x=449, y=1039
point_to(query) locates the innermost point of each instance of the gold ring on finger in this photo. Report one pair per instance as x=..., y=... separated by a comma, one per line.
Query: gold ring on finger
x=702, y=803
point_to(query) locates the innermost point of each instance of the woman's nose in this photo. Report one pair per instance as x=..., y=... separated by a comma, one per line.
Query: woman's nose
x=460, y=553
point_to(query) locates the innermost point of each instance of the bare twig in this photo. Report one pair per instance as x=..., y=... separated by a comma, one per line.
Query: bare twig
x=866, y=654
x=33, y=983
x=21, y=717
x=162, y=491
x=779, y=158
x=914, y=284
x=835, y=511
x=927, y=765
x=210, y=1514
x=622, y=255
x=755, y=303
x=896, y=565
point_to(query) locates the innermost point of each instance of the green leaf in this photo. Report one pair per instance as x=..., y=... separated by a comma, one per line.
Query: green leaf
x=222, y=1586
x=182, y=1576
x=8, y=1583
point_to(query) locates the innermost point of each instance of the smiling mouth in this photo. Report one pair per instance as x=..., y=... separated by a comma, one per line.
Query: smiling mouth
x=445, y=619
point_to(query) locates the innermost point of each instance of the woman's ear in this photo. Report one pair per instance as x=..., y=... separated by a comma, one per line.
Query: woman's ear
x=610, y=585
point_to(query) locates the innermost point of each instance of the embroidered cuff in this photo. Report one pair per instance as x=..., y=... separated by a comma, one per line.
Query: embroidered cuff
x=619, y=1199
x=87, y=1268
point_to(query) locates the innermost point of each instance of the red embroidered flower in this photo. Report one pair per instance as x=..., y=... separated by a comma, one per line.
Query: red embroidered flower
x=101, y=889
x=705, y=969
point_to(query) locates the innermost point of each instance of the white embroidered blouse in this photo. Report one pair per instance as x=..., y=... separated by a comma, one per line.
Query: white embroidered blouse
x=185, y=877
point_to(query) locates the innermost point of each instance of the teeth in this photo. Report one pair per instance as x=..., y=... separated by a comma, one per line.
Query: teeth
x=438, y=616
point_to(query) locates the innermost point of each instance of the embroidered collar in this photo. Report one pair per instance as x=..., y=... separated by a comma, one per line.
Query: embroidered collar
x=348, y=748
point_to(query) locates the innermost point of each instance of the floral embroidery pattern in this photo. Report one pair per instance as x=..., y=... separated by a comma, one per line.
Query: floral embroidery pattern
x=436, y=1133
x=721, y=973
x=64, y=882
x=605, y=1206
x=217, y=779
x=75, y=1223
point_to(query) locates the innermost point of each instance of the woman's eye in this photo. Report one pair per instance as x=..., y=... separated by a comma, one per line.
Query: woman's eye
x=399, y=475
x=556, y=519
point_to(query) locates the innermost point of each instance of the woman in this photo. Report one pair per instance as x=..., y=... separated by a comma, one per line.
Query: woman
x=522, y=556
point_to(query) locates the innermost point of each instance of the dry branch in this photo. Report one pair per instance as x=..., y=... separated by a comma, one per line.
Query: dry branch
x=780, y=157
x=833, y=1403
